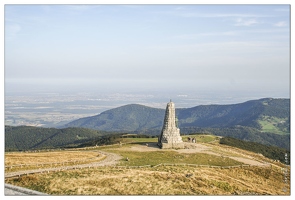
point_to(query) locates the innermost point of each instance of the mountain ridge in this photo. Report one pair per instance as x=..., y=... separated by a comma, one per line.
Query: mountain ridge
x=136, y=117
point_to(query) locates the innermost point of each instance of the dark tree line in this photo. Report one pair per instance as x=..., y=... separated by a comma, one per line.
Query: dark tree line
x=272, y=152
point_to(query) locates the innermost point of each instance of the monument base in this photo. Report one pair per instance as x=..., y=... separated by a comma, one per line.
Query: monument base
x=171, y=145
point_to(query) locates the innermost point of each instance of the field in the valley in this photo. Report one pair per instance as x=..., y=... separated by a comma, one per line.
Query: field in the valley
x=141, y=168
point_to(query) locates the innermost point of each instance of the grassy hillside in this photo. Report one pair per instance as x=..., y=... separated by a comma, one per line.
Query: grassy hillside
x=274, y=124
x=44, y=159
x=268, y=151
x=163, y=180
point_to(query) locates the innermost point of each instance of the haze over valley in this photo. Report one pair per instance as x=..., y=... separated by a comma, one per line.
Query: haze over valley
x=53, y=107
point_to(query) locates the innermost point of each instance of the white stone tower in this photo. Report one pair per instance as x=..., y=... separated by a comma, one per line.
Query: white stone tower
x=170, y=135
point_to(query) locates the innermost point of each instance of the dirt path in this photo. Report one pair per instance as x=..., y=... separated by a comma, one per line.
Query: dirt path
x=111, y=159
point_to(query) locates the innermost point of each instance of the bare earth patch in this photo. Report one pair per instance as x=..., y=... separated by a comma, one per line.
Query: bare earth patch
x=247, y=161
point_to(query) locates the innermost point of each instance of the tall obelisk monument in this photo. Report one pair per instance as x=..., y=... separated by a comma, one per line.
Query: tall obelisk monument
x=170, y=135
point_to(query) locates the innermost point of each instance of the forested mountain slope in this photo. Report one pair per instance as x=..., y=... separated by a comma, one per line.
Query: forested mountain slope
x=28, y=137
x=126, y=118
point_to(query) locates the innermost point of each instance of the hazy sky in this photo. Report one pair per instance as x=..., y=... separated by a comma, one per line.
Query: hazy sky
x=191, y=46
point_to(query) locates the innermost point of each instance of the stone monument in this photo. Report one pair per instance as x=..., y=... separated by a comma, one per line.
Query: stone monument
x=170, y=135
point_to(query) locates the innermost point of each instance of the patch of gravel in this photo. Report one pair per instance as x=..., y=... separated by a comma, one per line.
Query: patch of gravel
x=11, y=190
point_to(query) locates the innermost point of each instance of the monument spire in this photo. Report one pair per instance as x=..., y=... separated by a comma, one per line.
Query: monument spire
x=170, y=135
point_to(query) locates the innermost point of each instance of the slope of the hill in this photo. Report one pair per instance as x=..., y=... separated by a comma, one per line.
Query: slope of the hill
x=132, y=117
x=249, y=113
x=27, y=138
x=267, y=115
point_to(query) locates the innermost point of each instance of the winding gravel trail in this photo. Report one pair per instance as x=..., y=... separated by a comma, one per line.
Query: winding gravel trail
x=110, y=160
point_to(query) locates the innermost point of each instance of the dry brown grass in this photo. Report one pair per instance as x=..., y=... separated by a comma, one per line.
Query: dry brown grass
x=46, y=159
x=164, y=180
x=161, y=180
